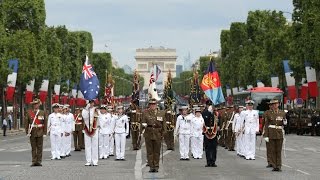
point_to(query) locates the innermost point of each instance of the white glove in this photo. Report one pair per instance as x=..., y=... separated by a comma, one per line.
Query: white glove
x=44, y=136
x=83, y=131
x=266, y=139
x=28, y=135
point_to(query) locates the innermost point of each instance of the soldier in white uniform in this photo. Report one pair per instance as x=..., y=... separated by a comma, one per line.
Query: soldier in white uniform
x=197, y=124
x=237, y=127
x=91, y=136
x=68, y=129
x=251, y=128
x=105, y=132
x=121, y=130
x=183, y=129
x=55, y=131
x=111, y=139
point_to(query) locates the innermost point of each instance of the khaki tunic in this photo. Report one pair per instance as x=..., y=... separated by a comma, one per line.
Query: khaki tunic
x=155, y=130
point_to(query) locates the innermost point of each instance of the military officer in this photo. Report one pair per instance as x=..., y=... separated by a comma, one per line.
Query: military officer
x=268, y=150
x=170, y=124
x=77, y=133
x=90, y=116
x=68, y=127
x=135, y=118
x=55, y=131
x=274, y=134
x=121, y=130
x=251, y=128
x=183, y=129
x=36, y=129
x=224, y=120
x=153, y=121
x=106, y=129
x=111, y=139
x=229, y=128
x=197, y=124
x=238, y=128
x=210, y=130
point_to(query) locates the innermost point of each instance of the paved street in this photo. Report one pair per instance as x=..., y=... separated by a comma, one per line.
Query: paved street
x=302, y=162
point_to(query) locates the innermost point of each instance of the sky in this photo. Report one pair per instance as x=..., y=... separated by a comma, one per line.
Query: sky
x=189, y=26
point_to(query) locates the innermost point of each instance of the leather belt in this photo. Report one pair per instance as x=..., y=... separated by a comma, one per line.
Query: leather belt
x=78, y=123
x=275, y=127
x=135, y=123
x=153, y=126
x=38, y=125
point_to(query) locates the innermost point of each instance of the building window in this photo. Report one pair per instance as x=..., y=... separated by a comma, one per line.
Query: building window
x=142, y=66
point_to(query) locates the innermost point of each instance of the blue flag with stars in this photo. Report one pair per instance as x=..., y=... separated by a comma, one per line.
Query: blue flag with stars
x=89, y=82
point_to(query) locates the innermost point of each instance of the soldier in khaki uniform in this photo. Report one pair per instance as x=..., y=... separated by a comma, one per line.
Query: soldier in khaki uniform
x=230, y=134
x=224, y=119
x=154, y=123
x=265, y=115
x=77, y=133
x=36, y=129
x=135, y=116
x=274, y=133
x=170, y=124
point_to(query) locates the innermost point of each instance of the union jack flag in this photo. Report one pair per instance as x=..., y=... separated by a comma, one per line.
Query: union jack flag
x=87, y=69
x=151, y=78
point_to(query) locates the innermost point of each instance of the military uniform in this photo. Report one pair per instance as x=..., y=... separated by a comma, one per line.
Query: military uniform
x=121, y=130
x=170, y=124
x=55, y=130
x=268, y=149
x=68, y=128
x=238, y=128
x=197, y=124
x=135, y=118
x=274, y=134
x=224, y=119
x=36, y=128
x=183, y=129
x=210, y=136
x=154, y=122
x=106, y=129
x=230, y=134
x=77, y=133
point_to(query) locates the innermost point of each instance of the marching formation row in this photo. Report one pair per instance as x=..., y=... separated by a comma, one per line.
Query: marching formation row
x=203, y=127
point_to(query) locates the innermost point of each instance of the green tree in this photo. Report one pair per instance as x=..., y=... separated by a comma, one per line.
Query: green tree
x=102, y=64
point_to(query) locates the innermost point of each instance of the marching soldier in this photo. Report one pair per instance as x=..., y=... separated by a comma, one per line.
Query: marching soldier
x=68, y=128
x=77, y=133
x=224, y=120
x=274, y=133
x=154, y=122
x=135, y=116
x=36, y=129
x=91, y=137
x=121, y=130
x=265, y=115
x=229, y=128
x=251, y=128
x=183, y=129
x=238, y=130
x=210, y=129
x=197, y=124
x=55, y=131
x=106, y=127
x=170, y=124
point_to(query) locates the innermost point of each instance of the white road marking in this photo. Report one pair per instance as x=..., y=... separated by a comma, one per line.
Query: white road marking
x=21, y=150
x=287, y=166
x=312, y=149
x=137, y=166
x=303, y=172
x=2, y=149
x=23, y=137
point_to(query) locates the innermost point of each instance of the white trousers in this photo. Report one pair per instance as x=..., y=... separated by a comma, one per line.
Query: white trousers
x=55, y=141
x=67, y=144
x=184, y=144
x=250, y=146
x=197, y=146
x=104, y=141
x=91, y=150
x=111, y=145
x=120, y=145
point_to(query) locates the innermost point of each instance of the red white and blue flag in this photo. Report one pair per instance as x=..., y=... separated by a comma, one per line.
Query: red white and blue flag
x=43, y=91
x=29, y=92
x=12, y=79
x=291, y=82
x=211, y=85
x=89, y=82
x=312, y=80
x=304, y=89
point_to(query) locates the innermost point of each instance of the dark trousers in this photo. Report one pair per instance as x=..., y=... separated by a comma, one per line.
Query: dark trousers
x=4, y=130
x=135, y=136
x=169, y=139
x=36, y=146
x=211, y=150
x=78, y=141
x=153, y=152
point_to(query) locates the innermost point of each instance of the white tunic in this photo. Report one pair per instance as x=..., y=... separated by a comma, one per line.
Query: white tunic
x=183, y=125
x=121, y=124
x=68, y=126
x=106, y=123
x=251, y=121
x=85, y=116
x=54, y=123
x=197, y=124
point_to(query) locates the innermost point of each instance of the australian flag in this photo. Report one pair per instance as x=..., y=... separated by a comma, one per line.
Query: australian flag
x=89, y=82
